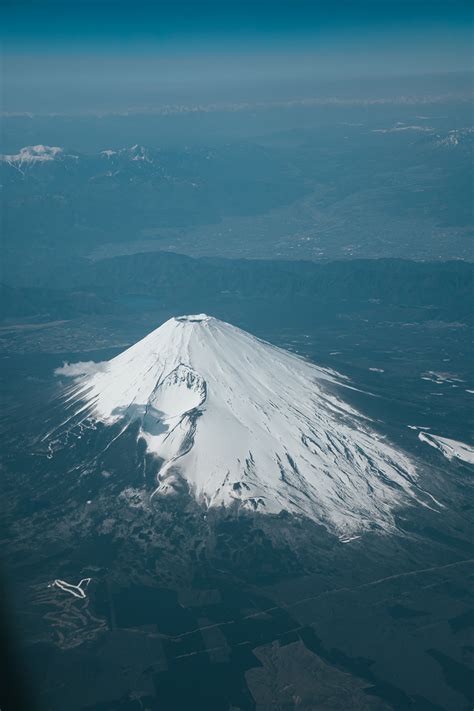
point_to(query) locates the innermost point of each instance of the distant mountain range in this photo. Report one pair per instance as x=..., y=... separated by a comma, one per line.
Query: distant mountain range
x=108, y=160
x=276, y=197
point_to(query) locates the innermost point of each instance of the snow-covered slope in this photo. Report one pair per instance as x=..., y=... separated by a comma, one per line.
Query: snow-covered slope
x=245, y=422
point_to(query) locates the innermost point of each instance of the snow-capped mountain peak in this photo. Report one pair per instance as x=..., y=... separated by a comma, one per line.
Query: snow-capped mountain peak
x=33, y=154
x=137, y=153
x=108, y=153
x=245, y=423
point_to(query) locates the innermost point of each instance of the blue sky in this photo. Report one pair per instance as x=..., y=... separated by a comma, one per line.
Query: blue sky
x=77, y=52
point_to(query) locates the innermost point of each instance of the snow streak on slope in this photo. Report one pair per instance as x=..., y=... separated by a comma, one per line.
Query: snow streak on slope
x=247, y=423
x=449, y=447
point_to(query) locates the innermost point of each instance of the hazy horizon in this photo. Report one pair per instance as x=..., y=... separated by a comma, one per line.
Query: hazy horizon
x=110, y=56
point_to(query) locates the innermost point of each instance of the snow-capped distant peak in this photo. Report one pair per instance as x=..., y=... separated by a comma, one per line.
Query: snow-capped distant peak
x=133, y=153
x=245, y=423
x=404, y=128
x=33, y=154
x=138, y=153
x=456, y=137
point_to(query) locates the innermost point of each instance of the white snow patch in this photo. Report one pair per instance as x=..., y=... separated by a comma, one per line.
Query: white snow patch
x=450, y=448
x=349, y=539
x=441, y=377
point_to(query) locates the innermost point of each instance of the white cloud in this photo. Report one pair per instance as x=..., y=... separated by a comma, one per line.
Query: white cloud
x=79, y=370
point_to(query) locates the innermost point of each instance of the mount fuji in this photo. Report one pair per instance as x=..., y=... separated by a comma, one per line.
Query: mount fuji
x=238, y=422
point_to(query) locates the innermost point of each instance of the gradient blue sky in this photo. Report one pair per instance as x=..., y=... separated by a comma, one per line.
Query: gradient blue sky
x=60, y=55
